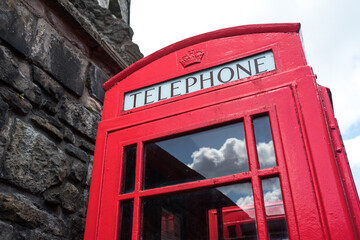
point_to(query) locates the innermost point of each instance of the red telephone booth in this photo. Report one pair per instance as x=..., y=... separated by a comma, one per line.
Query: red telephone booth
x=225, y=135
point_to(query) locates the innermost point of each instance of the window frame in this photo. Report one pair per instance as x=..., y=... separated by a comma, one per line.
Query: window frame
x=287, y=136
x=255, y=176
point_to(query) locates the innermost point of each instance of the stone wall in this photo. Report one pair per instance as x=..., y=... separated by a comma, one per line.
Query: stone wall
x=120, y=8
x=54, y=57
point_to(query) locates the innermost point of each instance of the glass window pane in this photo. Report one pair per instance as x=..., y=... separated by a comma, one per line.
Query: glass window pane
x=274, y=209
x=203, y=214
x=207, y=154
x=126, y=219
x=129, y=165
x=264, y=142
x=239, y=221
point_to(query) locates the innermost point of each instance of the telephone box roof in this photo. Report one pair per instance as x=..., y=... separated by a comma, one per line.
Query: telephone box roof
x=227, y=32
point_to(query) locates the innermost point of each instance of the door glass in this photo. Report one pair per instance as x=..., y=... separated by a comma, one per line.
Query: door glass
x=238, y=221
x=274, y=209
x=264, y=142
x=126, y=219
x=203, y=214
x=129, y=166
x=208, y=154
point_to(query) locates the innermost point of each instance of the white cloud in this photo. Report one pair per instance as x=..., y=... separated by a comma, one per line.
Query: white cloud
x=243, y=201
x=271, y=189
x=346, y=98
x=241, y=194
x=274, y=195
x=352, y=147
x=231, y=158
x=266, y=154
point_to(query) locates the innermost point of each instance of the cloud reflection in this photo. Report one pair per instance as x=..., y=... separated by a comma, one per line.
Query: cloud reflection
x=244, y=201
x=271, y=189
x=231, y=158
x=266, y=154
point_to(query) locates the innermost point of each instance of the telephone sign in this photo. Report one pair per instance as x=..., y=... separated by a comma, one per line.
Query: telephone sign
x=232, y=71
x=225, y=135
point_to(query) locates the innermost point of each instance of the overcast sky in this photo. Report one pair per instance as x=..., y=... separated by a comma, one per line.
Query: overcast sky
x=330, y=30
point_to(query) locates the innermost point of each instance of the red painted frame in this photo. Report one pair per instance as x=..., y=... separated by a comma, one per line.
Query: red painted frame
x=318, y=189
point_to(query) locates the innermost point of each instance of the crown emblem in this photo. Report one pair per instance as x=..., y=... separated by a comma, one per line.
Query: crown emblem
x=191, y=58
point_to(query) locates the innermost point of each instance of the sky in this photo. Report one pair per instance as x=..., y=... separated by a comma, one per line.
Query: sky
x=330, y=32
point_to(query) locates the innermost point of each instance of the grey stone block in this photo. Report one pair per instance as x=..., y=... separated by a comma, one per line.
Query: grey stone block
x=20, y=209
x=2, y=147
x=4, y=107
x=53, y=195
x=12, y=76
x=7, y=232
x=78, y=171
x=77, y=152
x=39, y=235
x=32, y=161
x=97, y=77
x=59, y=58
x=83, y=203
x=79, y=118
x=70, y=196
x=86, y=146
x=68, y=135
x=54, y=89
x=89, y=174
x=48, y=125
x=49, y=107
x=77, y=225
x=17, y=25
x=15, y=101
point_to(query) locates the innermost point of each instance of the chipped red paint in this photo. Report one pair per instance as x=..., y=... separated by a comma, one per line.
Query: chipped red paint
x=319, y=195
